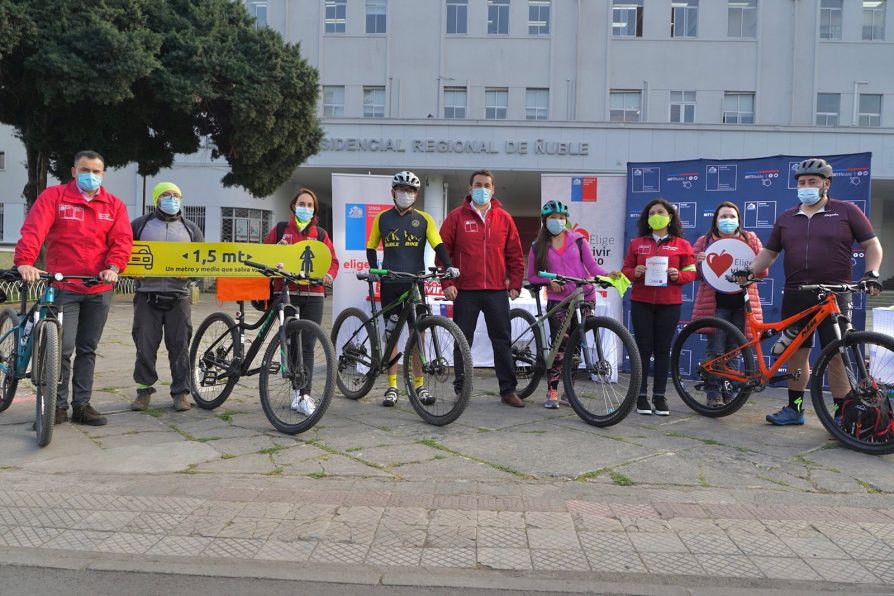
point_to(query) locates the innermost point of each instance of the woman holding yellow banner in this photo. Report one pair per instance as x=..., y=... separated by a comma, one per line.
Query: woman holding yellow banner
x=306, y=298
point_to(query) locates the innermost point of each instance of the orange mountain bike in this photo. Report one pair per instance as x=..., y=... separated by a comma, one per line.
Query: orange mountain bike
x=860, y=419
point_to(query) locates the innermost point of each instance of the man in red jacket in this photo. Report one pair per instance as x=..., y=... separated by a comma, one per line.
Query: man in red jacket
x=87, y=232
x=483, y=243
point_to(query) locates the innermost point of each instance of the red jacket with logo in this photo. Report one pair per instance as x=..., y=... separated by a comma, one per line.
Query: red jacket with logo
x=82, y=237
x=487, y=253
x=292, y=235
x=679, y=256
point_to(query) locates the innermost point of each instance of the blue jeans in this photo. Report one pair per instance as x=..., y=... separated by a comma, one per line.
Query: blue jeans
x=721, y=342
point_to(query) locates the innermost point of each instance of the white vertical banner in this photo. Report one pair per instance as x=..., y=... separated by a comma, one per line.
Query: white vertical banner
x=597, y=207
x=356, y=199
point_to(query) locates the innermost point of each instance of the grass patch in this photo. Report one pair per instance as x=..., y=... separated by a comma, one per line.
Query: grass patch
x=868, y=487
x=774, y=481
x=277, y=471
x=228, y=456
x=208, y=439
x=110, y=389
x=318, y=475
x=154, y=412
x=190, y=469
x=435, y=445
x=702, y=481
x=329, y=450
x=594, y=474
x=620, y=479
x=272, y=450
x=226, y=416
x=692, y=438
x=353, y=449
x=831, y=445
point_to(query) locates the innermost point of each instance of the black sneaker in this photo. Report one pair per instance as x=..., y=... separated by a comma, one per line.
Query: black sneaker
x=660, y=404
x=642, y=405
x=85, y=414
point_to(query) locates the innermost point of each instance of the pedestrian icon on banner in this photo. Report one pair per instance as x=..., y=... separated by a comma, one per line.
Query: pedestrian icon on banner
x=307, y=261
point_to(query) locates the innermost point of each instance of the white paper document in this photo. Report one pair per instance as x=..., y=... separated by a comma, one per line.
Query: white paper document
x=656, y=271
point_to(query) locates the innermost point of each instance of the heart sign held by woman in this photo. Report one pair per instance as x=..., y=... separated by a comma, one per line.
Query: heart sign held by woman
x=722, y=258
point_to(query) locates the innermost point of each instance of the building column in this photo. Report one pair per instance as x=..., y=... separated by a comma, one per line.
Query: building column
x=434, y=202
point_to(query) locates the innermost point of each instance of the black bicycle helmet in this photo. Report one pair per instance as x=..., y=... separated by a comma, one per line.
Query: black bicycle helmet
x=552, y=207
x=814, y=166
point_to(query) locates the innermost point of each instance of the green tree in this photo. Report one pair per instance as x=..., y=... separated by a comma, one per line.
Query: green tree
x=142, y=80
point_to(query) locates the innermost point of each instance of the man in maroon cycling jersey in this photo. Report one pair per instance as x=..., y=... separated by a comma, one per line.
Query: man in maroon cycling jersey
x=817, y=237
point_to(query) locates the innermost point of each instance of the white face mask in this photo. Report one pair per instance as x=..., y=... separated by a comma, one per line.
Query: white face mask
x=404, y=200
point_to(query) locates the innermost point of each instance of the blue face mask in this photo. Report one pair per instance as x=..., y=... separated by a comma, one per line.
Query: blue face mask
x=89, y=182
x=481, y=196
x=809, y=196
x=304, y=213
x=555, y=226
x=727, y=226
x=169, y=205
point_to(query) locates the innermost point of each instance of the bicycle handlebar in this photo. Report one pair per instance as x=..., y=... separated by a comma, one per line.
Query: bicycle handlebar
x=291, y=277
x=853, y=288
x=434, y=273
x=14, y=275
x=575, y=280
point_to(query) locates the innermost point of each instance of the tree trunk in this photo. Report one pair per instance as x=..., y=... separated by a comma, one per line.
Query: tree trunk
x=38, y=164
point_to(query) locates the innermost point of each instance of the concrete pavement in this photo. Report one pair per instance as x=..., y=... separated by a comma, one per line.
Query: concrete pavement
x=527, y=499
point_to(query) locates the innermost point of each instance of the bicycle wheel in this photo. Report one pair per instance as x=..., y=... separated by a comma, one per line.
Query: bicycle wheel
x=602, y=394
x=45, y=377
x=441, y=338
x=705, y=393
x=868, y=359
x=357, y=367
x=8, y=355
x=527, y=348
x=294, y=398
x=213, y=360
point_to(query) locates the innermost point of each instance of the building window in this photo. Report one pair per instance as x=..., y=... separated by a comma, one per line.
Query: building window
x=684, y=18
x=496, y=104
x=333, y=101
x=375, y=16
x=627, y=18
x=738, y=108
x=874, y=20
x=336, y=16
x=457, y=16
x=244, y=225
x=828, y=109
x=2, y=205
x=537, y=104
x=373, y=102
x=498, y=17
x=259, y=11
x=742, y=18
x=538, y=17
x=830, y=19
x=870, y=110
x=454, y=103
x=682, y=106
x=196, y=215
x=2, y=161
x=624, y=106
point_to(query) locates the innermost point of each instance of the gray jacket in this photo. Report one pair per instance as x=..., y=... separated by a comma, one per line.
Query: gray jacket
x=156, y=227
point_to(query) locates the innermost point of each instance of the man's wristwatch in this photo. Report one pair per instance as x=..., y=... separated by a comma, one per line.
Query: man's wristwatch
x=113, y=268
x=871, y=274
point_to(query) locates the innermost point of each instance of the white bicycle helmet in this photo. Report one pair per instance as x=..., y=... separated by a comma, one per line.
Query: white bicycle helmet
x=406, y=178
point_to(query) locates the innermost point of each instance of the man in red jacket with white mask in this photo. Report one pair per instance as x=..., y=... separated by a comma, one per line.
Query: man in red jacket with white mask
x=483, y=243
x=87, y=232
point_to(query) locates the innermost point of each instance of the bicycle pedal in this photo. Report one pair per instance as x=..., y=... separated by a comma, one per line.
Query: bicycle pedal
x=786, y=377
x=395, y=360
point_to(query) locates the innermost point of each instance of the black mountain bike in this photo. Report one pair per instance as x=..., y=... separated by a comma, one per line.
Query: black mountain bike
x=434, y=346
x=297, y=370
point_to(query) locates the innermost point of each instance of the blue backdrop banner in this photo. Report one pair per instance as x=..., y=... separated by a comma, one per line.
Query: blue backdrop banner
x=763, y=188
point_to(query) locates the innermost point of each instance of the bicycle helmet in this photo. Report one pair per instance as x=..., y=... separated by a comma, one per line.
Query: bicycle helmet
x=406, y=178
x=553, y=207
x=814, y=166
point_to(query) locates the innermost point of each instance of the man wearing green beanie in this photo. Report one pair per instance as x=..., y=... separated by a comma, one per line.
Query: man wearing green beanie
x=161, y=304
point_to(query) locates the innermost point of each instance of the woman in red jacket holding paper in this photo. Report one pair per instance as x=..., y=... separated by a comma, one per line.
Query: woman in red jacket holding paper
x=660, y=262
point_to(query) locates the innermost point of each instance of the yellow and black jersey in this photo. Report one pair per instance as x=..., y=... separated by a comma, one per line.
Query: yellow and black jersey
x=403, y=239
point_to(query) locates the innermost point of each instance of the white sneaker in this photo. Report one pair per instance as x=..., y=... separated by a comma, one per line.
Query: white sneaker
x=305, y=405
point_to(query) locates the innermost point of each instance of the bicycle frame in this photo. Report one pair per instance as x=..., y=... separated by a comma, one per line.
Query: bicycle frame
x=569, y=304
x=45, y=310
x=761, y=331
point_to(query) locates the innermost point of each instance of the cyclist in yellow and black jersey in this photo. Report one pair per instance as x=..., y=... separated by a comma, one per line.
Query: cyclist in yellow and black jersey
x=403, y=232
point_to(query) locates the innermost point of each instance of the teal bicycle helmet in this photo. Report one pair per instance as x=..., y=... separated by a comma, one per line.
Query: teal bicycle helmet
x=553, y=207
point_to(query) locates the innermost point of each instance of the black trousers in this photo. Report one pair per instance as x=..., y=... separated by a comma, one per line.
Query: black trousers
x=83, y=319
x=654, y=326
x=309, y=308
x=149, y=325
x=495, y=306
